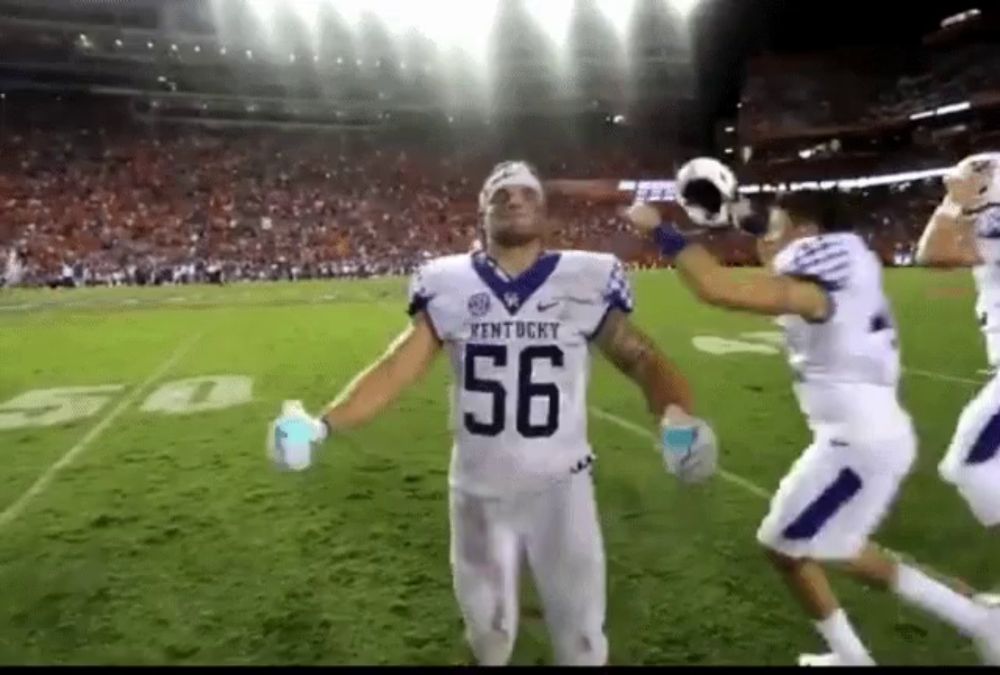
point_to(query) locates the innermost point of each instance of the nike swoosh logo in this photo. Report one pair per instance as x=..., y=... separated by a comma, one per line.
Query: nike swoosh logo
x=544, y=308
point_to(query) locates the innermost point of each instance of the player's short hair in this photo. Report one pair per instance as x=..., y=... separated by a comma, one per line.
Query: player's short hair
x=823, y=208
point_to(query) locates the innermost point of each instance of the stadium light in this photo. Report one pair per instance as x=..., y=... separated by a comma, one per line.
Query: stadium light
x=197, y=48
x=264, y=11
x=351, y=10
x=553, y=18
x=444, y=22
x=957, y=107
x=447, y=23
x=222, y=50
x=684, y=7
x=149, y=44
x=118, y=42
x=618, y=13
x=249, y=54
x=173, y=48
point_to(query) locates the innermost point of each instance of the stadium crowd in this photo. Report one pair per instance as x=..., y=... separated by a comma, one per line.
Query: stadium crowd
x=91, y=206
x=796, y=94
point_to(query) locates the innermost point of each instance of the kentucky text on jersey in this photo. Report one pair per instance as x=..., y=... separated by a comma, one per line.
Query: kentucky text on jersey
x=519, y=350
x=514, y=330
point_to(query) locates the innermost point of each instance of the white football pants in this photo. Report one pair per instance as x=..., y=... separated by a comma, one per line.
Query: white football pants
x=559, y=534
x=972, y=462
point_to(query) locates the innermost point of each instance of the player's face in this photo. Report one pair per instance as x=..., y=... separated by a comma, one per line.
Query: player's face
x=515, y=216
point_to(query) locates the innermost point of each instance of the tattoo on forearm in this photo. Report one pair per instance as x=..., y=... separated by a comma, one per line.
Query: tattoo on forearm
x=630, y=348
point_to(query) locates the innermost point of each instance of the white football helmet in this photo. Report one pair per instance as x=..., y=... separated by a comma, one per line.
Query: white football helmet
x=707, y=189
x=982, y=170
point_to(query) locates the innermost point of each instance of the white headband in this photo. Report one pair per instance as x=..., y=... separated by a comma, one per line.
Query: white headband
x=509, y=174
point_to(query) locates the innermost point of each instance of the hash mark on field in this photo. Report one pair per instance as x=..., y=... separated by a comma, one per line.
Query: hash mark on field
x=39, y=486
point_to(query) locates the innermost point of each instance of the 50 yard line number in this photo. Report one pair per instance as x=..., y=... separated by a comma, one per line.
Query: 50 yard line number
x=59, y=405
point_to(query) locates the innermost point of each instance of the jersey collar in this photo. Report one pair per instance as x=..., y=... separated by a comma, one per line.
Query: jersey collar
x=514, y=293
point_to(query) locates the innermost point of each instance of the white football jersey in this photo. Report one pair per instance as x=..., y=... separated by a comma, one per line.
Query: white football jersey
x=519, y=350
x=856, y=344
x=987, y=277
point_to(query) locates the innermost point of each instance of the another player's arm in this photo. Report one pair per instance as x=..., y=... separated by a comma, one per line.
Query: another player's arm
x=759, y=293
x=638, y=358
x=376, y=387
x=948, y=240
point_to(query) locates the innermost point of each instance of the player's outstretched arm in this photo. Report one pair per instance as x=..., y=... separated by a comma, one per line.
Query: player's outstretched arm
x=634, y=354
x=376, y=387
x=714, y=284
x=772, y=295
x=295, y=434
x=949, y=239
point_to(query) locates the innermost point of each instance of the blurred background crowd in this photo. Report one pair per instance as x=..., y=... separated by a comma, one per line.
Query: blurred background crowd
x=153, y=187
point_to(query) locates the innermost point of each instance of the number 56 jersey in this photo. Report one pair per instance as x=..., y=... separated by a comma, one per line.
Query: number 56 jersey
x=519, y=351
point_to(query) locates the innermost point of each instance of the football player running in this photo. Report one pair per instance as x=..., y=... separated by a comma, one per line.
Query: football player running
x=965, y=232
x=826, y=287
x=517, y=322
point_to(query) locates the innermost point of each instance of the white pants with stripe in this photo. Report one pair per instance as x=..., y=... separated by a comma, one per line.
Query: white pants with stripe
x=837, y=494
x=972, y=463
x=558, y=534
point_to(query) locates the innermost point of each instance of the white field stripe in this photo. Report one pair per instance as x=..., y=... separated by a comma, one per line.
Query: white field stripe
x=638, y=430
x=943, y=377
x=17, y=508
x=740, y=481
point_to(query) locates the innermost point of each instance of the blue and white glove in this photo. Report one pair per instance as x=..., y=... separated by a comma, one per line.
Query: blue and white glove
x=688, y=445
x=293, y=436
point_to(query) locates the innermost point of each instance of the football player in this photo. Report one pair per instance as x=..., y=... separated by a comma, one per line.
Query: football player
x=517, y=323
x=965, y=232
x=826, y=287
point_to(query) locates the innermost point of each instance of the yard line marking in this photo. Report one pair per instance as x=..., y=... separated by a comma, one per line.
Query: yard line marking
x=727, y=476
x=747, y=485
x=930, y=374
x=17, y=508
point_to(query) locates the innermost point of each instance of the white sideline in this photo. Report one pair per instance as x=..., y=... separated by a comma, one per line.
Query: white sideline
x=11, y=513
x=930, y=374
x=638, y=430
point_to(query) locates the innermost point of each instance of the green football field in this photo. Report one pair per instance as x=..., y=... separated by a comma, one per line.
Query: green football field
x=141, y=521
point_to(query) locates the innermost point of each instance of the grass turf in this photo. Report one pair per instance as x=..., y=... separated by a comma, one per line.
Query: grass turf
x=170, y=539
